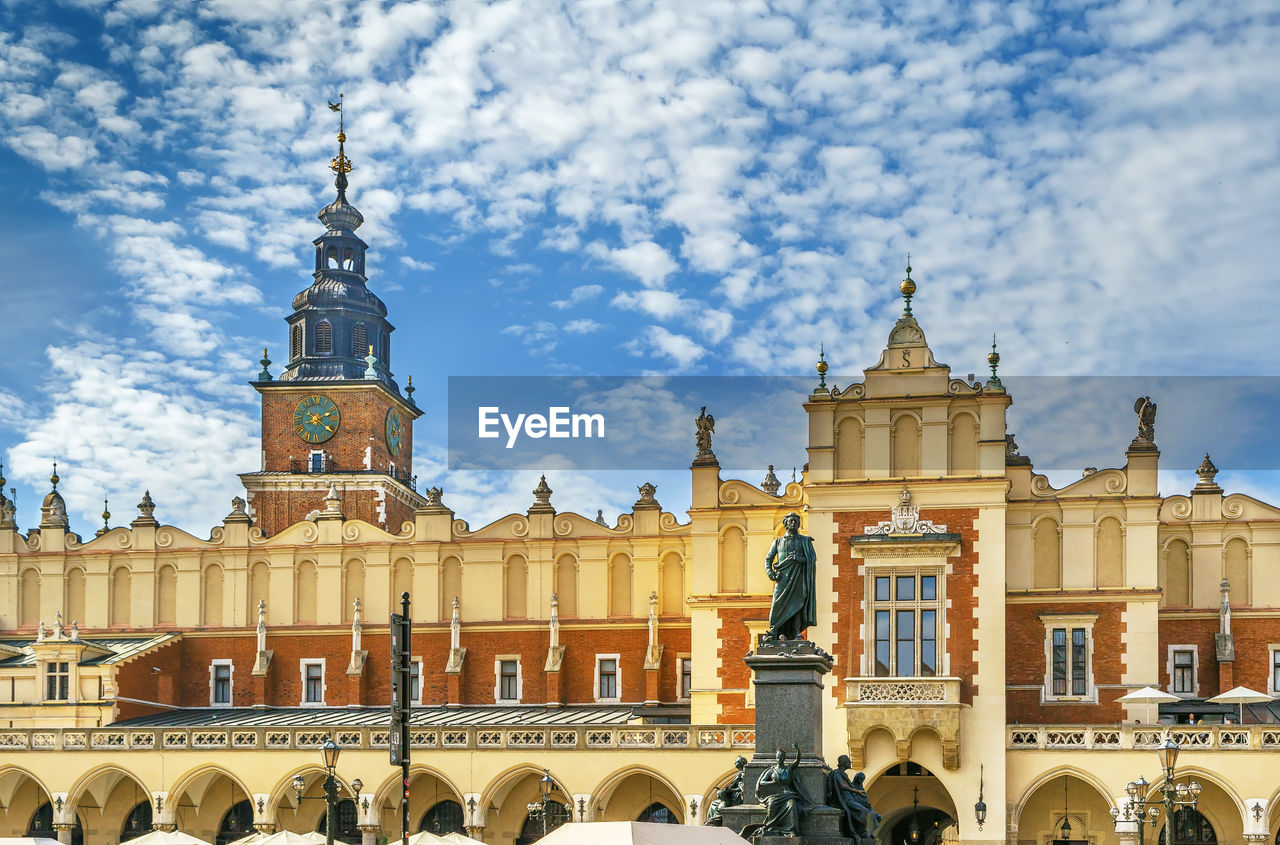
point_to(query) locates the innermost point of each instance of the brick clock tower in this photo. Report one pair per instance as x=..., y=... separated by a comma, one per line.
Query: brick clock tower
x=336, y=419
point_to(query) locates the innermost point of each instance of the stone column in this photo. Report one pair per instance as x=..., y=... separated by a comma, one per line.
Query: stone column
x=369, y=834
x=64, y=832
x=693, y=804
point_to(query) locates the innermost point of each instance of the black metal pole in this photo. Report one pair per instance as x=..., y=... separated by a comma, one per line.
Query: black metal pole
x=331, y=802
x=404, y=721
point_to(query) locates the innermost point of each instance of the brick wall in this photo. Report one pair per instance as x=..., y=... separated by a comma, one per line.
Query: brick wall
x=848, y=588
x=363, y=418
x=273, y=511
x=735, y=642
x=1253, y=634
x=1025, y=663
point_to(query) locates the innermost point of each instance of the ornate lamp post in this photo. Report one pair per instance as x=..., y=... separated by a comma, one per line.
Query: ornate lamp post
x=330, y=751
x=913, y=830
x=542, y=807
x=1142, y=811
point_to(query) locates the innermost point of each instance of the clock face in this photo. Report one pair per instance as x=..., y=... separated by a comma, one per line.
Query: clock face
x=315, y=419
x=395, y=432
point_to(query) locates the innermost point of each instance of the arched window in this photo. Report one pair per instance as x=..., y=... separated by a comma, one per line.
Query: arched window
x=304, y=592
x=345, y=822
x=1236, y=571
x=567, y=585
x=672, y=584
x=657, y=813
x=348, y=259
x=905, y=446
x=514, y=589
x=75, y=594
x=1109, y=553
x=137, y=822
x=386, y=348
x=620, y=586
x=331, y=257
x=29, y=598
x=1177, y=575
x=359, y=341
x=401, y=580
x=963, y=445
x=237, y=822
x=213, y=596
x=295, y=342
x=849, y=448
x=352, y=588
x=41, y=825
x=733, y=560
x=1046, y=543
x=450, y=586
x=121, y=581
x=167, y=595
x=324, y=337
x=443, y=818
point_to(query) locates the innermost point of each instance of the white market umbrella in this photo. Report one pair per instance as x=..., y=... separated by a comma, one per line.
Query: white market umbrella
x=167, y=837
x=640, y=833
x=422, y=837
x=282, y=837
x=1242, y=696
x=458, y=839
x=1149, y=696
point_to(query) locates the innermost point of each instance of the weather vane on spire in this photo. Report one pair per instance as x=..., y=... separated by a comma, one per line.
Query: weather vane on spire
x=341, y=165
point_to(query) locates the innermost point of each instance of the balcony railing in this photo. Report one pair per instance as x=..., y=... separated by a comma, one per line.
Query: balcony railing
x=902, y=691
x=1144, y=737
x=320, y=464
x=659, y=737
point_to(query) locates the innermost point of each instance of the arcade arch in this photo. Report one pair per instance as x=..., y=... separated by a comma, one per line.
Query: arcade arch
x=629, y=793
x=201, y=800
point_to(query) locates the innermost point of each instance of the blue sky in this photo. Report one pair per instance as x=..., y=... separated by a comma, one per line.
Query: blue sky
x=611, y=188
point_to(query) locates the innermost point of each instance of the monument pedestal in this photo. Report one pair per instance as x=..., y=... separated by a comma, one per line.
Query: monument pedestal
x=789, y=690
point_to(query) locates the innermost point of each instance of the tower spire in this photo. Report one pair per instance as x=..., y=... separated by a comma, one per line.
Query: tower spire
x=908, y=288
x=341, y=165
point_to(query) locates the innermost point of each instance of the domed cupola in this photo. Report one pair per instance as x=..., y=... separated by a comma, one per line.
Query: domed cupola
x=53, y=511
x=337, y=321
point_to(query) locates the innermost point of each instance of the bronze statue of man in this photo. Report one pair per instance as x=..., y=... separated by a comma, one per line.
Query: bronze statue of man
x=792, y=567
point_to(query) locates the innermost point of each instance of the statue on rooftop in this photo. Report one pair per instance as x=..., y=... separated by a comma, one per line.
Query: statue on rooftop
x=1146, y=411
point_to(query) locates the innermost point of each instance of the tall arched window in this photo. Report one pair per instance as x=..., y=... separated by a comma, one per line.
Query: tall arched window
x=213, y=596
x=121, y=583
x=386, y=348
x=849, y=448
x=29, y=598
x=657, y=813
x=1177, y=575
x=1046, y=542
x=672, y=583
x=905, y=446
x=1236, y=570
x=352, y=588
x=733, y=560
x=567, y=585
x=295, y=341
x=359, y=341
x=75, y=595
x=450, y=586
x=304, y=592
x=324, y=337
x=167, y=595
x=514, y=588
x=1190, y=828
x=1109, y=553
x=620, y=586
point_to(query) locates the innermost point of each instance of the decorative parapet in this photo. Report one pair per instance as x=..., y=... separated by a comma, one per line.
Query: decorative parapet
x=1139, y=738
x=230, y=739
x=894, y=691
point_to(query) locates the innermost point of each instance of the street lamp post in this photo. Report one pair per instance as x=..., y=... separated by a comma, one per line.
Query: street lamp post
x=330, y=750
x=1142, y=811
x=542, y=807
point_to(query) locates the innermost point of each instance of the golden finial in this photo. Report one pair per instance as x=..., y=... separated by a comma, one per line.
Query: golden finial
x=908, y=287
x=53, y=479
x=821, y=367
x=340, y=165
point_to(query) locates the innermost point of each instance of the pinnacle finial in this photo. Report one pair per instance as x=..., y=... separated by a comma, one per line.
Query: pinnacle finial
x=53, y=479
x=908, y=288
x=408, y=391
x=994, y=385
x=106, y=514
x=822, y=366
x=265, y=375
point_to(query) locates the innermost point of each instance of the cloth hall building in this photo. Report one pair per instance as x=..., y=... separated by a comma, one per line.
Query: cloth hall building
x=984, y=624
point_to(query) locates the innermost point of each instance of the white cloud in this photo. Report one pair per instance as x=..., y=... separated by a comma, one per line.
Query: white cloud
x=580, y=294
x=583, y=326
